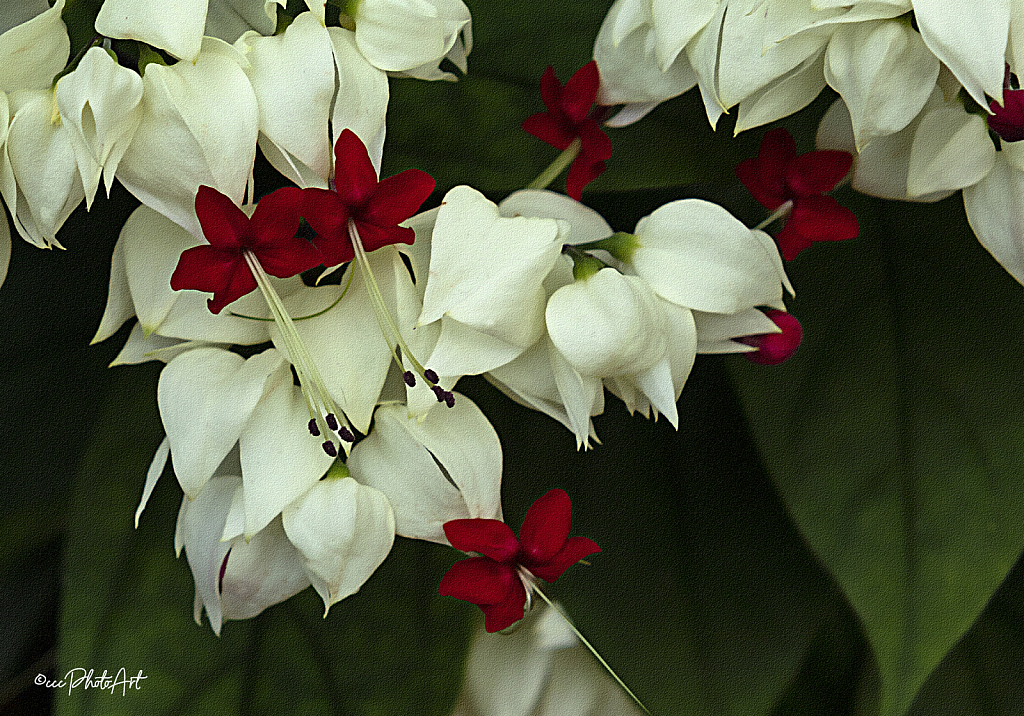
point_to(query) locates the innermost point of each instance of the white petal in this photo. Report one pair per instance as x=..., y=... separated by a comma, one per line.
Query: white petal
x=200, y=523
x=585, y=224
x=176, y=27
x=362, y=98
x=156, y=468
x=344, y=531
x=582, y=396
x=696, y=254
x=494, y=288
x=675, y=26
x=262, y=572
x=228, y=19
x=969, y=38
x=995, y=210
x=32, y=52
x=884, y=72
x=951, y=150
x=294, y=69
x=402, y=458
x=205, y=398
x=783, y=97
x=280, y=459
x=398, y=35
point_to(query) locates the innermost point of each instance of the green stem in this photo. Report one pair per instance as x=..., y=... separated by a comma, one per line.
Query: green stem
x=592, y=649
x=562, y=161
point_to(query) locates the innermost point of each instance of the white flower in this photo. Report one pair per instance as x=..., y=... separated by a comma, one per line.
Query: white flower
x=199, y=126
x=539, y=670
x=409, y=35
x=450, y=467
x=99, y=101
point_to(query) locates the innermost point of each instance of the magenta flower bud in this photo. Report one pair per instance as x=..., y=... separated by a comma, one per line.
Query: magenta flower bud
x=775, y=348
x=1007, y=119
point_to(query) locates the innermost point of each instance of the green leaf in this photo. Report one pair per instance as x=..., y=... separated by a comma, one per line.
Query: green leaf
x=894, y=435
x=395, y=647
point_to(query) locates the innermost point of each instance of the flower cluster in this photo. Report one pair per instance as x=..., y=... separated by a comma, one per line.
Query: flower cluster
x=926, y=108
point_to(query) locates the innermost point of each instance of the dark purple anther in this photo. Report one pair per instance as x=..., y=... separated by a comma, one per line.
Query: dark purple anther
x=430, y=375
x=409, y=378
x=330, y=449
x=346, y=434
x=438, y=392
x=332, y=422
x=313, y=429
x=449, y=399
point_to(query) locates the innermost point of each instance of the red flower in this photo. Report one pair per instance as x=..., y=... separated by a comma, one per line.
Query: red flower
x=775, y=348
x=497, y=581
x=778, y=175
x=220, y=266
x=569, y=117
x=376, y=207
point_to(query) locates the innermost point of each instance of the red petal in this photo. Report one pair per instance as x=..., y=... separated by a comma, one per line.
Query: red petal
x=595, y=148
x=547, y=129
x=224, y=224
x=817, y=172
x=546, y=526
x=580, y=175
x=240, y=282
x=205, y=268
x=373, y=237
x=551, y=90
x=327, y=215
x=822, y=218
x=580, y=92
x=506, y=613
x=491, y=538
x=354, y=175
x=397, y=198
x=575, y=549
x=791, y=242
x=479, y=580
x=778, y=149
x=1007, y=119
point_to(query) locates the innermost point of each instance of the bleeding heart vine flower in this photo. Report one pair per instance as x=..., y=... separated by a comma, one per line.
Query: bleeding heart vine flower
x=240, y=255
x=359, y=214
x=569, y=124
x=503, y=578
x=794, y=187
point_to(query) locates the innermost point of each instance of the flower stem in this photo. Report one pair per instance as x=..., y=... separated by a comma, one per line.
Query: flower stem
x=779, y=213
x=593, y=651
x=556, y=167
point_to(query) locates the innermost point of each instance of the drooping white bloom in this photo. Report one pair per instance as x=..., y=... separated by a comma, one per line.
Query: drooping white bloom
x=450, y=467
x=99, y=101
x=485, y=282
x=179, y=27
x=333, y=537
x=411, y=35
x=199, y=127
x=539, y=670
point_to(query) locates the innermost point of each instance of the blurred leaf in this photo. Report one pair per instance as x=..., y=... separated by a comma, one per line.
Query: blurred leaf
x=469, y=132
x=396, y=647
x=894, y=435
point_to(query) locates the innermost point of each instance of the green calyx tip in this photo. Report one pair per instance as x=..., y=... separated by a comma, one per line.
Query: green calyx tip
x=584, y=265
x=338, y=471
x=621, y=245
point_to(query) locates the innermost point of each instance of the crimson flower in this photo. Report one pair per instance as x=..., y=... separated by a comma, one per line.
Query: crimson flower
x=375, y=207
x=569, y=117
x=778, y=175
x=498, y=581
x=269, y=236
x=775, y=348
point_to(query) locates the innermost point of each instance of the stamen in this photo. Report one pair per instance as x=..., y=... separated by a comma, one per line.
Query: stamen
x=388, y=326
x=319, y=403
